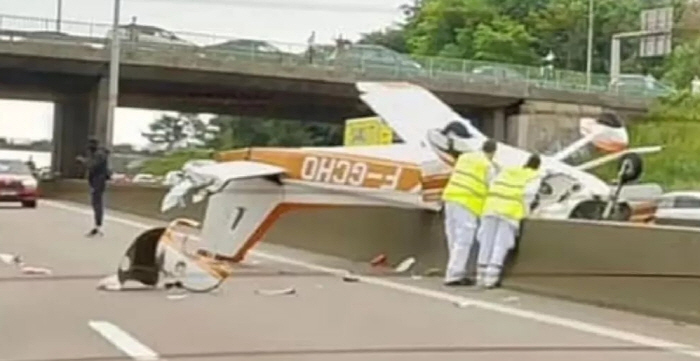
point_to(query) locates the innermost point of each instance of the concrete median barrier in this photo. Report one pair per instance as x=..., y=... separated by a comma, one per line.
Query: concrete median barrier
x=141, y=200
x=647, y=269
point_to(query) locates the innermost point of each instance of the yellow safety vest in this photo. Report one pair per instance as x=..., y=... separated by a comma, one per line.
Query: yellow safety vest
x=507, y=193
x=467, y=185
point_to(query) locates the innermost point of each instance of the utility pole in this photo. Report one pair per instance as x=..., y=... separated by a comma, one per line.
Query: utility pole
x=589, y=59
x=113, y=75
x=59, y=10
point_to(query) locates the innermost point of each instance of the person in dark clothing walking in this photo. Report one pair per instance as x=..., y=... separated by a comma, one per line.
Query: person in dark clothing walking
x=97, y=164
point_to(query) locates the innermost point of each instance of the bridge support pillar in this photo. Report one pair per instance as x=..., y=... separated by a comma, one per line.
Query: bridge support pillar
x=546, y=127
x=77, y=117
x=99, y=100
x=499, y=125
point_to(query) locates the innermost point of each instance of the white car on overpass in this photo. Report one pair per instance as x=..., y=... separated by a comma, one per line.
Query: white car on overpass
x=149, y=34
x=679, y=208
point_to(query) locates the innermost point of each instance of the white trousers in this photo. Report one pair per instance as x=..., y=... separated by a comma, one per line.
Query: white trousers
x=460, y=228
x=496, y=237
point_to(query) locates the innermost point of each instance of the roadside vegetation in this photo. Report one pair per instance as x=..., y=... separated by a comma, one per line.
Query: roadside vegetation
x=674, y=124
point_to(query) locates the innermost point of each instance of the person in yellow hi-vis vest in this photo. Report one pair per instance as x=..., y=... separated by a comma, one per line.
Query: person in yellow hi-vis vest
x=512, y=195
x=464, y=197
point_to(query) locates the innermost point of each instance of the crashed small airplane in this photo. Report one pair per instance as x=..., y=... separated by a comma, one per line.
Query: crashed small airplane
x=249, y=189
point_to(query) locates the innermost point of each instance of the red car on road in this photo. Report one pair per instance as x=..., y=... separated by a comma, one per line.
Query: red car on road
x=17, y=183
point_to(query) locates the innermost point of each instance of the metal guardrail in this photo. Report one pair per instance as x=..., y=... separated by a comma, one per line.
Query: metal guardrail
x=17, y=28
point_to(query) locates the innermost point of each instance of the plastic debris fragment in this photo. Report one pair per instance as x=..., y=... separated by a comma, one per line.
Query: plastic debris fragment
x=176, y=297
x=110, y=283
x=280, y=292
x=10, y=259
x=349, y=277
x=463, y=304
x=36, y=270
x=433, y=272
x=379, y=261
x=405, y=265
x=511, y=299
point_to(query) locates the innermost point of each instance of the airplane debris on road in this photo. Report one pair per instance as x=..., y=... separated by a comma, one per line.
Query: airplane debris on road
x=279, y=292
x=10, y=259
x=405, y=265
x=29, y=270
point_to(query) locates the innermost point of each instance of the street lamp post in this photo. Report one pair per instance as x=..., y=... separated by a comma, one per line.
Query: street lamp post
x=113, y=74
x=59, y=10
x=589, y=57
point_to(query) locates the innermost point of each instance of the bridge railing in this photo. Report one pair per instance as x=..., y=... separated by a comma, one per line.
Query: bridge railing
x=397, y=67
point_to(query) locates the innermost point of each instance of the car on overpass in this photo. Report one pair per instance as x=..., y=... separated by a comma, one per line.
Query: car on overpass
x=375, y=59
x=498, y=73
x=251, y=49
x=146, y=34
x=679, y=208
x=638, y=84
x=17, y=183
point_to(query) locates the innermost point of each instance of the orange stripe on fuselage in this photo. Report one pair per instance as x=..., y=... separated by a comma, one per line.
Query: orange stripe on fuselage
x=375, y=172
x=267, y=223
x=610, y=146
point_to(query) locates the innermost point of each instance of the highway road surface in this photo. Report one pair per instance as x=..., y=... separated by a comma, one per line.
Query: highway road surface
x=63, y=316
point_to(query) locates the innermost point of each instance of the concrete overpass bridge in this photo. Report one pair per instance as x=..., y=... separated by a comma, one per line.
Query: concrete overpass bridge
x=72, y=71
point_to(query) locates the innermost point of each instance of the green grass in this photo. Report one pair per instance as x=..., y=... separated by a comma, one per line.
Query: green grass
x=174, y=161
x=677, y=166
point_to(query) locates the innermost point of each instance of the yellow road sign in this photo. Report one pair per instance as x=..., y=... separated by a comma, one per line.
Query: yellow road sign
x=367, y=131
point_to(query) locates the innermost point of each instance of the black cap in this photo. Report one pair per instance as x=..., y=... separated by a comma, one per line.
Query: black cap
x=489, y=146
x=533, y=162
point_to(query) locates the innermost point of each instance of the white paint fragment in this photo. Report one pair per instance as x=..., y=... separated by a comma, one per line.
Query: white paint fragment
x=176, y=297
x=28, y=270
x=463, y=304
x=405, y=265
x=280, y=292
x=10, y=259
x=110, y=283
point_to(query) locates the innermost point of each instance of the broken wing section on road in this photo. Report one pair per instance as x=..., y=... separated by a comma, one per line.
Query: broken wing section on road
x=195, y=256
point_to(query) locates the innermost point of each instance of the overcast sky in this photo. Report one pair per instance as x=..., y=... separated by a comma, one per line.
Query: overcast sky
x=290, y=21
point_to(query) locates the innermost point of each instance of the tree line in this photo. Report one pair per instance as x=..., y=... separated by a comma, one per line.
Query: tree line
x=524, y=32
x=189, y=131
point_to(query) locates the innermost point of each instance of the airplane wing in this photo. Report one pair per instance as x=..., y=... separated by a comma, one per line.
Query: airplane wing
x=211, y=178
x=611, y=157
x=410, y=110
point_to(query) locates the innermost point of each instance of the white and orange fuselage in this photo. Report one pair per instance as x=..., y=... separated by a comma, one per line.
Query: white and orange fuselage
x=248, y=190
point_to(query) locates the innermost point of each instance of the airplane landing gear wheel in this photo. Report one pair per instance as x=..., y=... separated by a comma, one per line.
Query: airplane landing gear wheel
x=631, y=167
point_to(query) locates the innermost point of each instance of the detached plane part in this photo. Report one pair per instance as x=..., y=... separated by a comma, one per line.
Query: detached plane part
x=249, y=189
